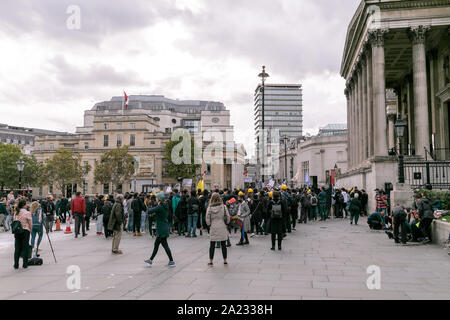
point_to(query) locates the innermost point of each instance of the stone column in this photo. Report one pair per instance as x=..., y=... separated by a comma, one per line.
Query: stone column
x=369, y=105
x=347, y=95
x=365, y=130
x=356, y=118
x=379, y=92
x=354, y=162
x=351, y=125
x=361, y=114
x=417, y=36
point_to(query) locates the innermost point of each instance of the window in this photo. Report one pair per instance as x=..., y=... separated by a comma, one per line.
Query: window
x=133, y=125
x=85, y=187
x=86, y=146
x=106, y=126
x=106, y=188
x=132, y=140
x=152, y=142
x=41, y=147
x=52, y=146
x=105, y=140
x=119, y=126
x=50, y=189
x=208, y=168
x=119, y=140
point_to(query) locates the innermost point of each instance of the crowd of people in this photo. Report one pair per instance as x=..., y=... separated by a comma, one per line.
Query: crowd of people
x=219, y=213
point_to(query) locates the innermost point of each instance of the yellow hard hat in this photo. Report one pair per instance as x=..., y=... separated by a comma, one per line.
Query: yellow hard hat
x=284, y=187
x=270, y=194
x=309, y=191
x=240, y=193
x=250, y=190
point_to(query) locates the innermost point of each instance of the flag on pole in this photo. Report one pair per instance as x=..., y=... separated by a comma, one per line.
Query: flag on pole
x=125, y=100
x=200, y=185
x=297, y=176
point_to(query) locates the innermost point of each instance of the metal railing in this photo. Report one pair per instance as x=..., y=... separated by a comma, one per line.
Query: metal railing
x=420, y=174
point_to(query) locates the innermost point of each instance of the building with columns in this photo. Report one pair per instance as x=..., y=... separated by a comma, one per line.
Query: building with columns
x=396, y=64
x=146, y=126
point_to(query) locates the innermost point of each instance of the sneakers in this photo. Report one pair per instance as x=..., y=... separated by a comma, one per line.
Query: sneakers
x=210, y=264
x=390, y=235
x=118, y=252
x=171, y=264
x=426, y=240
x=273, y=248
x=150, y=262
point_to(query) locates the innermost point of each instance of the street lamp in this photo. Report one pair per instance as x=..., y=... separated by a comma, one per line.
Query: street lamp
x=263, y=75
x=400, y=127
x=20, y=166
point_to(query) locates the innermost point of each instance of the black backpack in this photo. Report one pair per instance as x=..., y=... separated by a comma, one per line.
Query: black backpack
x=276, y=211
x=16, y=227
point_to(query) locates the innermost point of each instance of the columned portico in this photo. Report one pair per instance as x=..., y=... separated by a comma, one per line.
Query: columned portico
x=379, y=90
x=417, y=36
x=402, y=48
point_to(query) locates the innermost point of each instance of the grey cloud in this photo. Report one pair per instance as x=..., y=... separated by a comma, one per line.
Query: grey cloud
x=99, y=18
x=256, y=30
x=100, y=75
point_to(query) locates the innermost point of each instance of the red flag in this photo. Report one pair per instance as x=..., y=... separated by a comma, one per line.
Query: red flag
x=126, y=100
x=245, y=173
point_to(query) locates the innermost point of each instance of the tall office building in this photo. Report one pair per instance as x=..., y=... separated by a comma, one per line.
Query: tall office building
x=283, y=106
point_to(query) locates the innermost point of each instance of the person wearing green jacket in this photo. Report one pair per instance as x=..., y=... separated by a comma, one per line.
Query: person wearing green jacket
x=355, y=208
x=323, y=209
x=115, y=224
x=160, y=215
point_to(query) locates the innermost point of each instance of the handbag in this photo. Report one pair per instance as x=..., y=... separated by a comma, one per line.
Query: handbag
x=16, y=227
x=240, y=223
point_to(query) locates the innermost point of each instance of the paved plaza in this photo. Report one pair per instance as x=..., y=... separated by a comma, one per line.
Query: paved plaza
x=319, y=261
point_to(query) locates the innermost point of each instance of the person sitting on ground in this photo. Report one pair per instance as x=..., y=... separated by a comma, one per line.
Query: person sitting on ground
x=376, y=220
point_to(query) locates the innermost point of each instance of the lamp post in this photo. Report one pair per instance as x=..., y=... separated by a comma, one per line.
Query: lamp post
x=263, y=75
x=20, y=166
x=285, y=138
x=400, y=127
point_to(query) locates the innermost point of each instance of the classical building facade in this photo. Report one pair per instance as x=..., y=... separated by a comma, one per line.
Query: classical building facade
x=21, y=136
x=313, y=157
x=146, y=126
x=396, y=64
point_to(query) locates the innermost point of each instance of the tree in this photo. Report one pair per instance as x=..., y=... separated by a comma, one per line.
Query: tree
x=116, y=166
x=186, y=169
x=33, y=173
x=64, y=168
x=9, y=175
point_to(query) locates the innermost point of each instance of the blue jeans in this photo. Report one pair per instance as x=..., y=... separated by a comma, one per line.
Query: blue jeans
x=143, y=221
x=192, y=223
x=35, y=231
x=130, y=222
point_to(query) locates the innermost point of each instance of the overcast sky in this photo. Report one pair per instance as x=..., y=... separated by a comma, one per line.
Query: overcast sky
x=185, y=49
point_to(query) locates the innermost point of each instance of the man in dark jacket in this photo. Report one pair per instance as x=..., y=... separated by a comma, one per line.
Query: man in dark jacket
x=115, y=224
x=64, y=206
x=277, y=210
x=137, y=206
x=78, y=208
x=193, y=209
x=49, y=210
x=106, y=213
x=90, y=209
x=426, y=217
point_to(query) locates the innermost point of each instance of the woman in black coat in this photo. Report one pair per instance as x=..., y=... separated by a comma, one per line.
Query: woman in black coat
x=276, y=222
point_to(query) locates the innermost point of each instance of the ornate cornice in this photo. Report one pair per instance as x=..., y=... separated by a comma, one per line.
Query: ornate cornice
x=417, y=34
x=413, y=4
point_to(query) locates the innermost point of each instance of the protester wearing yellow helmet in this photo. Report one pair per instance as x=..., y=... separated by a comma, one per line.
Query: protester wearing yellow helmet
x=284, y=187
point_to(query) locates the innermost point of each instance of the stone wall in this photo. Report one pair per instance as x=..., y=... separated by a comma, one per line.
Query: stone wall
x=440, y=231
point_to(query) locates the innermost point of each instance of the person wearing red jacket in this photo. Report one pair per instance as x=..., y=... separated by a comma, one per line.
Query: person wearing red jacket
x=78, y=208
